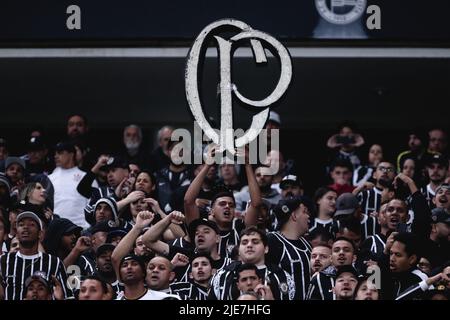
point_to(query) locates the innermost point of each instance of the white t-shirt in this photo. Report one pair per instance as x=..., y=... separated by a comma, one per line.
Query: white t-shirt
x=68, y=203
x=150, y=295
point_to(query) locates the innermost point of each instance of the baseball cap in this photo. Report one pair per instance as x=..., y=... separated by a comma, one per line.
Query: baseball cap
x=135, y=258
x=346, y=268
x=285, y=207
x=440, y=215
x=11, y=160
x=437, y=158
x=103, y=226
x=65, y=146
x=115, y=233
x=444, y=186
x=36, y=144
x=201, y=222
x=115, y=162
x=274, y=117
x=290, y=179
x=104, y=248
x=30, y=215
x=40, y=276
x=346, y=204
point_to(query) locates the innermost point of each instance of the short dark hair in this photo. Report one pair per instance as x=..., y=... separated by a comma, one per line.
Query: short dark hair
x=253, y=229
x=322, y=233
x=99, y=279
x=341, y=163
x=348, y=240
x=411, y=243
x=222, y=194
x=243, y=267
x=202, y=255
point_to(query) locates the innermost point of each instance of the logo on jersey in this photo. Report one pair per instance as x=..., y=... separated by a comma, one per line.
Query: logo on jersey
x=341, y=11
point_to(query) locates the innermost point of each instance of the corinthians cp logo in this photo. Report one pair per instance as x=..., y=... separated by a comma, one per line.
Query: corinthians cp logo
x=341, y=11
x=225, y=47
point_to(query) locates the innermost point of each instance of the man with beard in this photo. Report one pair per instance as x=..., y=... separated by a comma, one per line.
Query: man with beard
x=171, y=181
x=132, y=145
x=104, y=268
x=16, y=267
x=320, y=258
x=253, y=248
x=436, y=168
x=371, y=197
x=346, y=282
x=343, y=253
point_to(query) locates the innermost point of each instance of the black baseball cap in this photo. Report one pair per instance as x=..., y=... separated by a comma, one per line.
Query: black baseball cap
x=103, y=226
x=290, y=180
x=36, y=144
x=136, y=258
x=437, y=158
x=201, y=222
x=346, y=268
x=65, y=146
x=285, y=207
x=440, y=215
x=115, y=162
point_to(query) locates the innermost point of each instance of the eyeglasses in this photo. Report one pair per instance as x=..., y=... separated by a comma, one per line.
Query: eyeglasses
x=386, y=169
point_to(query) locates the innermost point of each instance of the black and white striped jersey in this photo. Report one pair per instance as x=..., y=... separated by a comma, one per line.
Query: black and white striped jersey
x=429, y=195
x=321, y=285
x=293, y=257
x=229, y=239
x=375, y=244
x=87, y=266
x=317, y=223
x=370, y=200
x=223, y=283
x=15, y=268
x=362, y=174
x=182, y=243
x=189, y=291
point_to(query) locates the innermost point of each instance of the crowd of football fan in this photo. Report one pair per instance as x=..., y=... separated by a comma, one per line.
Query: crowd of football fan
x=79, y=223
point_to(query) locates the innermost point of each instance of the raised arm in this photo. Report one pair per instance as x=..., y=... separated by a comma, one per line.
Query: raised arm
x=190, y=208
x=151, y=236
x=251, y=216
x=143, y=219
x=174, y=230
